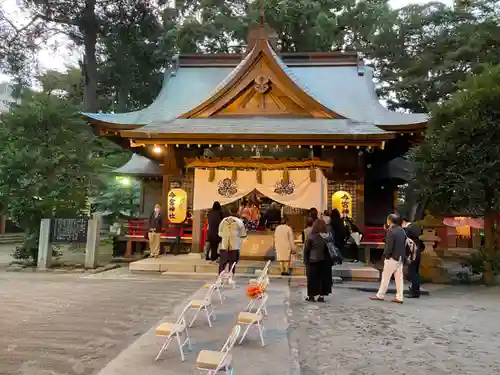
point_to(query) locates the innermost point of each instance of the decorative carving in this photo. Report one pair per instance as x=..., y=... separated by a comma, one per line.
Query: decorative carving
x=284, y=187
x=227, y=188
x=261, y=84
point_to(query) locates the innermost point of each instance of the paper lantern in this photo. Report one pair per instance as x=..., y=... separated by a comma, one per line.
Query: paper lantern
x=177, y=206
x=342, y=201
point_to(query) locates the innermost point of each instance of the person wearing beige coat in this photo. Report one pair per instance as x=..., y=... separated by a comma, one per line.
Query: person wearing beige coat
x=284, y=244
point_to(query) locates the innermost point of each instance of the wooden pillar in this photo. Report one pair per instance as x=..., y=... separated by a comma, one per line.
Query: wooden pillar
x=360, y=192
x=198, y=219
x=169, y=169
x=3, y=221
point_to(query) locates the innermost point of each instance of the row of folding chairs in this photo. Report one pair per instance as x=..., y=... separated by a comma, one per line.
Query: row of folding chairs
x=213, y=361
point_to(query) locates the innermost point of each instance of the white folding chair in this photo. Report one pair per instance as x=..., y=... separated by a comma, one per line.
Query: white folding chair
x=263, y=277
x=215, y=362
x=254, y=320
x=254, y=302
x=170, y=331
x=227, y=276
x=204, y=304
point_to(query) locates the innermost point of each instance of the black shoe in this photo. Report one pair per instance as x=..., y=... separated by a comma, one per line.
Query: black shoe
x=310, y=299
x=413, y=296
x=283, y=274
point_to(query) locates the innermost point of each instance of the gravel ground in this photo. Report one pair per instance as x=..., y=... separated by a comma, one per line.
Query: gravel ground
x=72, y=325
x=453, y=331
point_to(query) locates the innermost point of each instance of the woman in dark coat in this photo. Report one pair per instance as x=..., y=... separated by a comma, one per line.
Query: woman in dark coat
x=339, y=231
x=318, y=263
x=215, y=216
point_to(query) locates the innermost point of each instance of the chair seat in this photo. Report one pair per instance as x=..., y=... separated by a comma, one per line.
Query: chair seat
x=197, y=303
x=249, y=318
x=253, y=282
x=209, y=360
x=165, y=329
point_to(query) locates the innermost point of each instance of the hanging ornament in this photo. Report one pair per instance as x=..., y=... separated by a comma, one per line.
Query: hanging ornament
x=286, y=175
x=259, y=176
x=234, y=174
x=211, y=175
x=312, y=174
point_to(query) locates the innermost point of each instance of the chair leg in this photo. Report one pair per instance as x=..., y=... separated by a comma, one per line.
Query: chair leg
x=164, y=347
x=194, y=317
x=180, y=346
x=208, y=316
x=221, y=296
x=245, y=333
x=260, y=327
x=188, y=339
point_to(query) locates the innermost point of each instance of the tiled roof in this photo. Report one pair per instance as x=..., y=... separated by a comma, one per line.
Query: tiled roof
x=139, y=165
x=339, y=88
x=260, y=125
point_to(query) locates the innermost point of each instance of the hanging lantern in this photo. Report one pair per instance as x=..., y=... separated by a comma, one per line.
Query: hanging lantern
x=342, y=201
x=211, y=175
x=234, y=174
x=177, y=206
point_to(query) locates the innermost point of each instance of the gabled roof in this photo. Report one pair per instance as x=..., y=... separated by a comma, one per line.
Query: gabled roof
x=322, y=86
x=140, y=166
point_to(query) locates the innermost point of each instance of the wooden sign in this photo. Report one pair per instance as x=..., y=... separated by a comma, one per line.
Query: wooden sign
x=69, y=230
x=342, y=201
x=177, y=206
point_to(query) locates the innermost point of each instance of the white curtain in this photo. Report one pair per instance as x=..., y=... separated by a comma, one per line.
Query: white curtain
x=301, y=194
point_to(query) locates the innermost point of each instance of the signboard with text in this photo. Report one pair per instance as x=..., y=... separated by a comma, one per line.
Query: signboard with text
x=73, y=230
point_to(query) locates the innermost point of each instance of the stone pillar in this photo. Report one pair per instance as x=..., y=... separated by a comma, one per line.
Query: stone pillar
x=198, y=219
x=431, y=266
x=360, y=192
x=44, y=246
x=93, y=240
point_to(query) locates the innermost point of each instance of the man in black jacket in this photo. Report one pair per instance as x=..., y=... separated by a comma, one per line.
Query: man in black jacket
x=394, y=254
x=413, y=232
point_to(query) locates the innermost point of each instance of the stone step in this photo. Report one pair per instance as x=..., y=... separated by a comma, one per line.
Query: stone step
x=8, y=238
x=301, y=280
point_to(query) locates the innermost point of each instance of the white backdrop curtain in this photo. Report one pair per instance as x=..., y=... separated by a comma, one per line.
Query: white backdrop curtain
x=305, y=195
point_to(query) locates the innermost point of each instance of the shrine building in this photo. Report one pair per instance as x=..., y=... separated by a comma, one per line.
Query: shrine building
x=300, y=129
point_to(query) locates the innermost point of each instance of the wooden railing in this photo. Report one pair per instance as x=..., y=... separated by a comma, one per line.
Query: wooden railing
x=139, y=228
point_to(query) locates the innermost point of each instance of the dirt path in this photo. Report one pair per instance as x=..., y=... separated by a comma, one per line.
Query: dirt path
x=451, y=332
x=66, y=324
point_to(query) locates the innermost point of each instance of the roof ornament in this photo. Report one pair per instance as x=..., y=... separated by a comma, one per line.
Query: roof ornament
x=262, y=18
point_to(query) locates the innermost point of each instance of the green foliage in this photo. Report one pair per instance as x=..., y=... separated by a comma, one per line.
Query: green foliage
x=46, y=164
x=475, y=263
x=117, y=199
x=458, y=164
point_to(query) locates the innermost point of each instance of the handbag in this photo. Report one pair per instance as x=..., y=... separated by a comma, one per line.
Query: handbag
x=334, y=252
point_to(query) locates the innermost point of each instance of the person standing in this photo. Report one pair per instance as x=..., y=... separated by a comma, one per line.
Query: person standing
x=231, y=231
x=215, y=216
x=339, y=231
x=154, y=233
x=394, y=255
x=317, y=261
x=413, y=232
x=272, y=217
x=284, y=244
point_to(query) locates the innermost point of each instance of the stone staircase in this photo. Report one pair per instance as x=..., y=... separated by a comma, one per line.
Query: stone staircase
x=192, y=266
x=11, y=238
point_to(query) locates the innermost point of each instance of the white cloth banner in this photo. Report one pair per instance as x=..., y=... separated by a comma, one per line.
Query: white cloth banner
x=300, y=193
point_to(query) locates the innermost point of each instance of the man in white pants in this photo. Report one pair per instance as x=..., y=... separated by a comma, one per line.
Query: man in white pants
x=394, y=254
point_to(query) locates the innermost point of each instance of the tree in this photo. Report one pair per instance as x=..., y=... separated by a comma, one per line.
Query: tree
x=458, y=164
x=46, y=164
x=66, y=85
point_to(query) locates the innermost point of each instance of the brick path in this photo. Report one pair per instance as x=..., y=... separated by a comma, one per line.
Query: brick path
x=66, y=324
x=453, y=331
